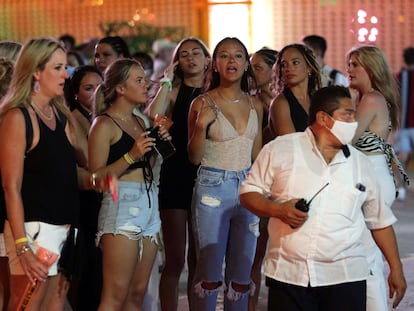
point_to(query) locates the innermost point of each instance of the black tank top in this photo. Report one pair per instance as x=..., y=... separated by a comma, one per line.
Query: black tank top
x=297, y=113
x=123, y=145
x=179, y=129
x=50, y=189
x=173, y=194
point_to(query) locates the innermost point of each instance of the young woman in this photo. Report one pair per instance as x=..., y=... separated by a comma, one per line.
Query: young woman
x=79, y=94
x=224, y=137
x=187, y=73
x=128, y=229
x=109, y=49
x=297, y=78
x=376, y=97
x=262, y=64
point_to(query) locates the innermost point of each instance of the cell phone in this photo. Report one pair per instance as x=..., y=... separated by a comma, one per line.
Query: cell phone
x=164, y=148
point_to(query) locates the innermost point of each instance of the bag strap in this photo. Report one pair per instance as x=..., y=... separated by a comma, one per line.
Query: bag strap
x=29, y=128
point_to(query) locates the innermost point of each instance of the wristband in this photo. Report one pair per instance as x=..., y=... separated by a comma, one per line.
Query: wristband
x=128, y=158
x=24, y=249
x=167, y=82
x=21, y=240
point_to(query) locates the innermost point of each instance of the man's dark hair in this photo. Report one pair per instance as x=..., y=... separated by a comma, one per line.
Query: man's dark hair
x=327, y=99
x=67, y=38
x=145, y=59
x=316, y=43
x=409, y=55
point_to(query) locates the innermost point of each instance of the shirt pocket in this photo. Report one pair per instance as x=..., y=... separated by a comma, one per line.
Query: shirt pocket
x=350, y=203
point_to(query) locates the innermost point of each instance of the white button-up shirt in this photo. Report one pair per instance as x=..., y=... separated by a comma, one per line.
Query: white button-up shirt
x=328, y=249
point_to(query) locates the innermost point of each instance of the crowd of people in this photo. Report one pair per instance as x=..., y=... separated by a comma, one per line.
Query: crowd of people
x=123, y=168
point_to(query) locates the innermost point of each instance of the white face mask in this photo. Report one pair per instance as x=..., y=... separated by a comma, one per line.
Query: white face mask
x=344, y=131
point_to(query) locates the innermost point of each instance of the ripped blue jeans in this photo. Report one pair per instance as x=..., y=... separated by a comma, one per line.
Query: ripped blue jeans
x=135, y=214
x=224, y=230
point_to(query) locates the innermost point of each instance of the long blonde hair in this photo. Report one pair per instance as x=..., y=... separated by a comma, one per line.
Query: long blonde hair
x=33, y=57
x=373, y=60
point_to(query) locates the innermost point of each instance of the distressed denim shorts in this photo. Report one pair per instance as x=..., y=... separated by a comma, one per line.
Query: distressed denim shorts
x=135, y=214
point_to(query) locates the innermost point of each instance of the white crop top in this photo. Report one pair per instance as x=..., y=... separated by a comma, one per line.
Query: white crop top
x=225, y=148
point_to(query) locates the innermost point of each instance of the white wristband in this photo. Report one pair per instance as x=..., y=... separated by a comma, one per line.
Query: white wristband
x=167, y=82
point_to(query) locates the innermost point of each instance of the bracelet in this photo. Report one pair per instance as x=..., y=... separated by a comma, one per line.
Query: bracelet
x=92, y=180
x=21, y=240
x=23, y=249
x=128, y=158
x=166, y=81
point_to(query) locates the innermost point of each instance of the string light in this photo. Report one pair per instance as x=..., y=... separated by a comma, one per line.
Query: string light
x=365, y=26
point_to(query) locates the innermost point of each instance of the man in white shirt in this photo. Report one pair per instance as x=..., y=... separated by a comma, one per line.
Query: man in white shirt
x=329, y=76
x=316, y=260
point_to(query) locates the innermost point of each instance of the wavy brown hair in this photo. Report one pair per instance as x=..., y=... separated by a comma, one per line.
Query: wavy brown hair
x=314, y=81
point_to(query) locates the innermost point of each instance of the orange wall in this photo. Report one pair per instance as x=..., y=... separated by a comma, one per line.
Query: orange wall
x=23, y=19
x=291, y=20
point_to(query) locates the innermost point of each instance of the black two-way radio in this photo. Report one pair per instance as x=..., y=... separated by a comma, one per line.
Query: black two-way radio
x=303, y=206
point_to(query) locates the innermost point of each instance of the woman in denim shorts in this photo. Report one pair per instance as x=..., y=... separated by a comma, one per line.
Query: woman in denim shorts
x=128, y=228
x=224, y=137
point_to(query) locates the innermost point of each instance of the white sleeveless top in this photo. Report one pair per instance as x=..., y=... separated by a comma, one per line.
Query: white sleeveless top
x=225, y=148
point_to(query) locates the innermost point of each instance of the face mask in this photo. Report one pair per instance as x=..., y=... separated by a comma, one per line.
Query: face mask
x=344, y=131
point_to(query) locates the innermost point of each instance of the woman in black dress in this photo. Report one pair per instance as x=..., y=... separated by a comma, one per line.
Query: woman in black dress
x=183, y=81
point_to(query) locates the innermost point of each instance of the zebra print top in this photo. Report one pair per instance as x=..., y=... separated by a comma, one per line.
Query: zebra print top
x=371, y=142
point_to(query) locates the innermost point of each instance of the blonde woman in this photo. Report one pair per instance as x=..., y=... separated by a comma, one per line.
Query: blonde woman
x=40, y=178
x=377, y=114
x=128, y=229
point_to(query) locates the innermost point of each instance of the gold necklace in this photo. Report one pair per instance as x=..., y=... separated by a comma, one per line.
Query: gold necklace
x=123, y=119
x=234, y=101
x=37, y=109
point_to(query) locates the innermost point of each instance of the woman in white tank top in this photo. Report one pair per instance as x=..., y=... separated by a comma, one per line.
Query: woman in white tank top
x=224, y=137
